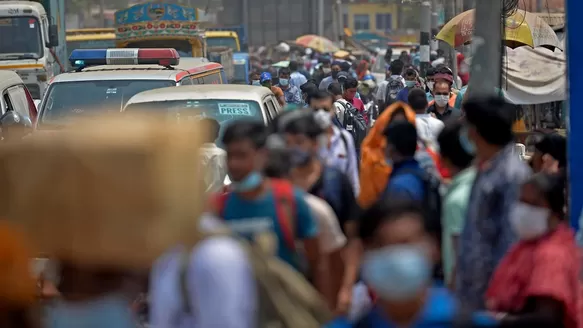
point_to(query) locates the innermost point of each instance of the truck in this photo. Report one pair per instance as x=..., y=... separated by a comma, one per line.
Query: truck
x=234, y=37
x=223, y=56
x=32, y=41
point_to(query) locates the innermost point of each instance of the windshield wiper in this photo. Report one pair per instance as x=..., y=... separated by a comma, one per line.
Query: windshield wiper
x=19, y=56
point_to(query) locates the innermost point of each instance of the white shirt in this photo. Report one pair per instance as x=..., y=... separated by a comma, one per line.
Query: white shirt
x=214, y=162
x=428, y=127
x=382, y=89
x=342, y=156
x=331, y=236
x=220, y=282
x=340, y=108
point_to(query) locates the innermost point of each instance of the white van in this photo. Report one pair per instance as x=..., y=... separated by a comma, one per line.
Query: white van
x=15, y=96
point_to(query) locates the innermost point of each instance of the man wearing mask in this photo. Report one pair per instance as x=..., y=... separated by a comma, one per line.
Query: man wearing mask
x=428, y=127
x=399, y=254
x=254, y=78
x=487, y=232
x=292, y=94
x=296, y=78
x=429, y=83
x=335, y=69
x=337, y=148
x=350, y=87
x=308, y=89
x=265, y=81
x=393, y=83
x=323, y=71
x=440, y=107
x=410, y=83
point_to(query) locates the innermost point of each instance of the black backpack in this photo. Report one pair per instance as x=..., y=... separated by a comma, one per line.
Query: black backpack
x=393, y=88
x=354, y=123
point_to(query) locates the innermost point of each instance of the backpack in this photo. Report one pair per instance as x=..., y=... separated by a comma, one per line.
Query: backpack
x=331, y=178
x=393, y=88
x=285, y=298
x=354, y=123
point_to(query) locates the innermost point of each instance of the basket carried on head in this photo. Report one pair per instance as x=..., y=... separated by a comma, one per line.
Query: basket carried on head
x=108, y=193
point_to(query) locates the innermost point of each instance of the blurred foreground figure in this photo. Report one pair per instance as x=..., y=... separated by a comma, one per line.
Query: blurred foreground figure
x=125, y=192
x=17, y=286
x=487, y=233
x=537, y=283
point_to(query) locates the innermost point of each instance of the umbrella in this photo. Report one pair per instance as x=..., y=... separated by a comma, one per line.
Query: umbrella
x=317, y=43
x=284, y=63
x=521, y=28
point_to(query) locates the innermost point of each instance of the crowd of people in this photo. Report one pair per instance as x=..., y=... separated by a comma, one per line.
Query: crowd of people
x=422, y=215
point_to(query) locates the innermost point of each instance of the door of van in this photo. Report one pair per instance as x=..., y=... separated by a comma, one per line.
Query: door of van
x=18, y=99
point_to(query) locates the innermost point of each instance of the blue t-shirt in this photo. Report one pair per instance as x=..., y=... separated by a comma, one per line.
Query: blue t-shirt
x=403, y=95
x=440, y=311
x=254, y=218
x=405, y=182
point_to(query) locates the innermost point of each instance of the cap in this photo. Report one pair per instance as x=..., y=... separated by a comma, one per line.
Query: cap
x=265, y=76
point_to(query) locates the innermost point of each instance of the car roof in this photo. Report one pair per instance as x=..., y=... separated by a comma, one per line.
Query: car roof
x=208, y=91
x=135, y=72
x=8, y=79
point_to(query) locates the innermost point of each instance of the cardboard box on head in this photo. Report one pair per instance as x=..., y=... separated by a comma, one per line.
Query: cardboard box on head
x=106, y=192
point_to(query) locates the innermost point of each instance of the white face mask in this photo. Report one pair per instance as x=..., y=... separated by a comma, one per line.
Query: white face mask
x=326, y=70
x=441, y=100
x=430, y=85
x=529, y=221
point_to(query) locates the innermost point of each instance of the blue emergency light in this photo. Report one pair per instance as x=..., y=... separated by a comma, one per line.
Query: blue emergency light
x=90, y=57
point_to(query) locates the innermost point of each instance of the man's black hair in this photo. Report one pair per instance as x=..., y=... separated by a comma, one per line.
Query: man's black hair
x=403, y=136
x=450, y=146
x=304, y=125
x=253, y=73
x=293, y=66
x=410, y=72
x=555, y=145
x=430, y=71
x=492, y=117
x=335, y=89
x=396, y=67
x=387, y=210
x=417, y=100
x=320, y=95
x=284, y=70
x=552, y=185
x=313, y=81
x=253, y=131
x=345, y=66
x=278, y=164
x=443, y=69
x=213, y=127
x=308, y=86
x=350, y=83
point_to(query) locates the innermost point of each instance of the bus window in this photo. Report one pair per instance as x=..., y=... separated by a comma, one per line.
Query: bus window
x=196, y=80
x=212, y=78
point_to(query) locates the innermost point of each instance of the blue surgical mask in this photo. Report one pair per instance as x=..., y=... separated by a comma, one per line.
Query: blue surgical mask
x=284, y=82
x=397, y=273
x=109, y=311
x=256, y=82
x=410, y=84
x=250, y=182
x=300, y=157
x=468, y=145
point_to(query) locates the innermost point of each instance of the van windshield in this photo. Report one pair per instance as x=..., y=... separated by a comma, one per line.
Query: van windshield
x=21, y=38
x=73, y=99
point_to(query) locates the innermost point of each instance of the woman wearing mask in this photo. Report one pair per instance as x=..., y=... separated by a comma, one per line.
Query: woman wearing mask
x=537, y=283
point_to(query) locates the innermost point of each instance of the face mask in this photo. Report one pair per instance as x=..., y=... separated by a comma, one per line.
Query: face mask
x=250, y=182
x=397, y=273
x=326, y=70
x=335, y=74
x=529, y=221
x=300, y=157
x=255, y=82
x=410, y=84
x=109, y=311
x=466, y=143
x=430, y=85
x=323, y=118
x=284, y=82
x=441, y=100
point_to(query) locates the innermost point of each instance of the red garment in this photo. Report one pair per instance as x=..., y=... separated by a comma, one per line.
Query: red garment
x=546, y=267
x=359, y=105
x=362, y=69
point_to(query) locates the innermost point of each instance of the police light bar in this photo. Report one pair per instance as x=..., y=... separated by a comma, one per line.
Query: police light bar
x=90, y=57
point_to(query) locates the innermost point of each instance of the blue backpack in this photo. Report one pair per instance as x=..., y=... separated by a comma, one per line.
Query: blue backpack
x=331, y=188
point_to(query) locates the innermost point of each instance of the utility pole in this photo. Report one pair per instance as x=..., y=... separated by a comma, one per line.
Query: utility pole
x=321, y=17
x=434, y=25
x=539, y=6
x=424, y=37
x=487, y=41
x=574, y=117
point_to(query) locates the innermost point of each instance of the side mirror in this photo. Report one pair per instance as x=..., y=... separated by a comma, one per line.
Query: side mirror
x=53, y=36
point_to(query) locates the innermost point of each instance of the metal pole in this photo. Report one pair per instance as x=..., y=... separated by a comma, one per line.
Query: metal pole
x=434, y=24
x=340, y=19
x=574, y=117
x=485, y=69
x=424, y=37
x=321, y=17
x=539, y=6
